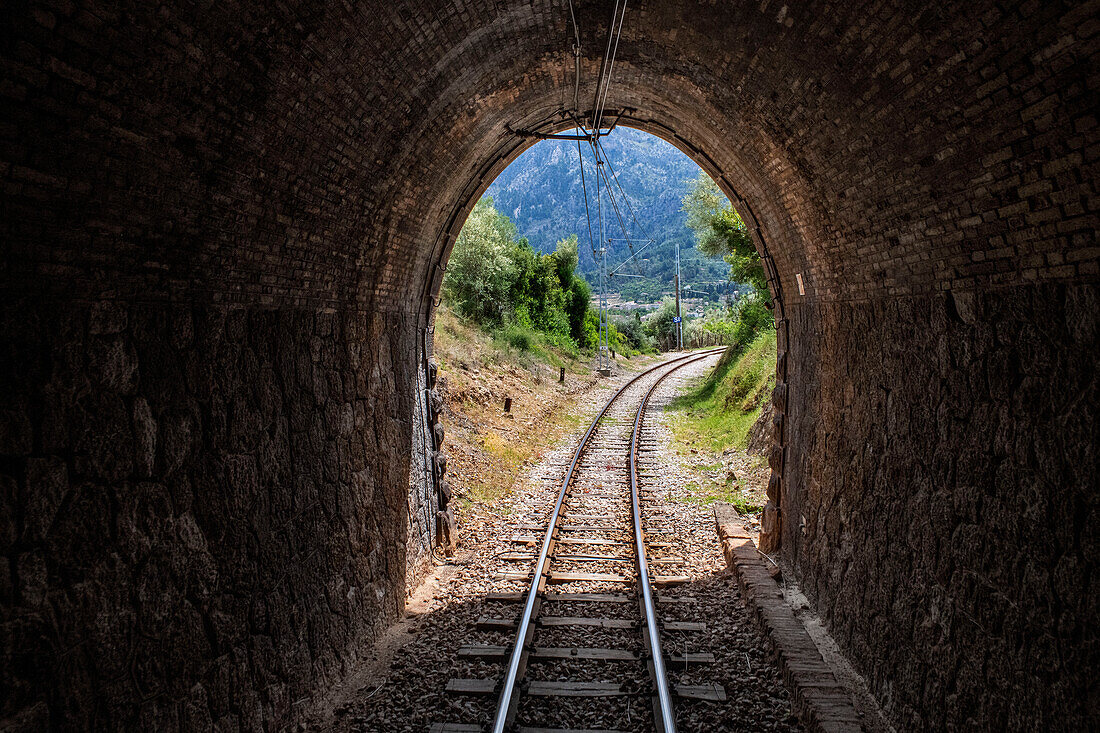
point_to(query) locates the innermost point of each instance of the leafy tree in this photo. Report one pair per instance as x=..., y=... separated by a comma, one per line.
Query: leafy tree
x=537, y=298
x=590, y=330
x=659, y=323
x=482, y=267
x=498, y=280
x=720, y=232
x=565, y=257
x=577, y=308
x=633, y=332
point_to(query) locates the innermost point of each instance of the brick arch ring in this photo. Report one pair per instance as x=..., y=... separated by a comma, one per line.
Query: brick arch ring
x=519, y=141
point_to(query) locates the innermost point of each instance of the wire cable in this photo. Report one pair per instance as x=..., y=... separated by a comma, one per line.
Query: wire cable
x=603, y=68
x=608, y=63
x=587, y=212
x=618, y=212
x=576, y=59
x=630, y=208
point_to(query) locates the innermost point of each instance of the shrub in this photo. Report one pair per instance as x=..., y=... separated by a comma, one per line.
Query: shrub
x=496, y=279
x=517, y=337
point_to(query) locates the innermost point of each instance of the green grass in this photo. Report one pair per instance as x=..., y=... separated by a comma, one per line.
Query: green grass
x=717, y=412
x=707, y=494
x=461, y=343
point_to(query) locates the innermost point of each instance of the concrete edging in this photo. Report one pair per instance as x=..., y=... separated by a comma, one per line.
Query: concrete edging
x=820, y=701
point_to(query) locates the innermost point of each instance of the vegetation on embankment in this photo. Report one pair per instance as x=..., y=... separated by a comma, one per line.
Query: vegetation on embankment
x=498, y=281
x=720, y=410
x=488, y=449
x=713, y=418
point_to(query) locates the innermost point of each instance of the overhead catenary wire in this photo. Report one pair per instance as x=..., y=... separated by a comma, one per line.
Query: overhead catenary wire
x=629, y=207
x=607, y=64
x=597, y=149
x=576, y=58
x=587, y=212
x=614, y=203
x=619, y=216
x=628, y=259
x=602, y=85
x=628, y=239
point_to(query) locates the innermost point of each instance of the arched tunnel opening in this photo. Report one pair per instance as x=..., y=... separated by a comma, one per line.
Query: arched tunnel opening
x=543, y=195
x=225, y=226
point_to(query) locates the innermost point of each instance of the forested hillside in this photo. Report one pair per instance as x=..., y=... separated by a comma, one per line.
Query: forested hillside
x=541, y=193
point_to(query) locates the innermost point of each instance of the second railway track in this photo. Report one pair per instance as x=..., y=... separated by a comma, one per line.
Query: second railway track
x=587, y=628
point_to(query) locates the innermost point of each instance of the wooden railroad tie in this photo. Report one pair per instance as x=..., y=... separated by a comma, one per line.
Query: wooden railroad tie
x=555, y=578
x=497, y=653
x=489, y=623
x=568, y=688
x=527, y=556
x=583, y=598
x=531, y=541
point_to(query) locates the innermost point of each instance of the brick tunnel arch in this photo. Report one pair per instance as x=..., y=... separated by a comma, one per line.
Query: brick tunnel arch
x=512, y=143
x=222, y=227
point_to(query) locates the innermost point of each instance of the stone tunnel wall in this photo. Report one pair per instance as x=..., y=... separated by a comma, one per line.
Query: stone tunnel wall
x=197, y=527
x=421, y=497
x=268, y=191
x=946, y=517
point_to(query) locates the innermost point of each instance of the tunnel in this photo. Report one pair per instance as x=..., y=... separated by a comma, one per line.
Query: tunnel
x=225, y=227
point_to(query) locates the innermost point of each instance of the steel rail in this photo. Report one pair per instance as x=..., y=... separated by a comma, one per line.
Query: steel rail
x=664, y=717
x=506, y=706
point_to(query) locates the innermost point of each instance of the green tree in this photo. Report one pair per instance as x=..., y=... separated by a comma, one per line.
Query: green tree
x=566, y=259
x=659, y=323
x=577, y=307
x=498, y=280
x=720, y=232
x=631, y=329
x=481, y=268
x=537, y=297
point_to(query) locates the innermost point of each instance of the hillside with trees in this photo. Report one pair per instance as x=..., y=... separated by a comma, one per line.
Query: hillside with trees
x=541, y=193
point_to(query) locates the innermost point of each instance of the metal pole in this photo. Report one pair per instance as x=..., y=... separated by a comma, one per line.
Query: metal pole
x=603, y=345
x=603, y=308
x=606, y=320
x=679, y=313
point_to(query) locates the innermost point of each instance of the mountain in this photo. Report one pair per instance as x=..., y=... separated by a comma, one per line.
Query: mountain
x=541, y=192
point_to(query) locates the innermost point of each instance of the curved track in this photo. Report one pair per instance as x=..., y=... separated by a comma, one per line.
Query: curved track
x=594, y=521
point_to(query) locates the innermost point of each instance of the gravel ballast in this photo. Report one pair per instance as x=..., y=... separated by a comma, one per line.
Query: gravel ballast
x=408, y=694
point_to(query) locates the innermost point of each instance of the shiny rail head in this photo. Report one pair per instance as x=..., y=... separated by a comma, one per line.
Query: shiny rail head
x=508, y=702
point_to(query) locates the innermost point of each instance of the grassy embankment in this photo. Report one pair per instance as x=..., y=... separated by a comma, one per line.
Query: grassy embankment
x=712, y=420
x=488, y=450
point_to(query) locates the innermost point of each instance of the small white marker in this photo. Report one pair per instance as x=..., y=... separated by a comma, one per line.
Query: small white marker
x=801, y=287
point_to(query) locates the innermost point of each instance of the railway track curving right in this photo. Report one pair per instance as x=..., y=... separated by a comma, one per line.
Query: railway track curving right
x=573, y=635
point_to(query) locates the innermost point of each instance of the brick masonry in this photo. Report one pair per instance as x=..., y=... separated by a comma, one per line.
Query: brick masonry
x=942, y=505
x=821, y=703
x=196, y=532
x=303, y=166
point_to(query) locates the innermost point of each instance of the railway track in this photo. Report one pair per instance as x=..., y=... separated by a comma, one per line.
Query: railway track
x=580, y=648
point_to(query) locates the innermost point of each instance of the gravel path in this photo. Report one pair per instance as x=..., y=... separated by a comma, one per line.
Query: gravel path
x=408, y=693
